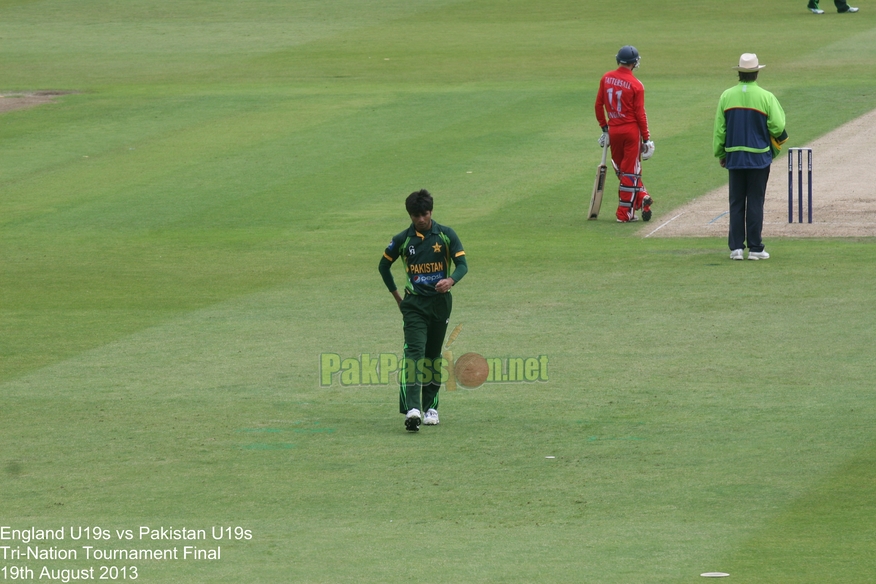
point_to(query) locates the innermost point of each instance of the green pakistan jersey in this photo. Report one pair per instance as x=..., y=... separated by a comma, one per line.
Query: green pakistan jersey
x=427, y=258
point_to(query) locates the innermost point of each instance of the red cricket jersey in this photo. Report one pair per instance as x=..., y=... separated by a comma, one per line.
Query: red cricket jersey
x=622, y=97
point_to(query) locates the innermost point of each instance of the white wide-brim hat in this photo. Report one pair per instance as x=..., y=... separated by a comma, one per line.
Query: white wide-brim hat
x=748, y=63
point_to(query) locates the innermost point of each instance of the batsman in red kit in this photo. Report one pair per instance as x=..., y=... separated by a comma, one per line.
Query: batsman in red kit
x=620, y=111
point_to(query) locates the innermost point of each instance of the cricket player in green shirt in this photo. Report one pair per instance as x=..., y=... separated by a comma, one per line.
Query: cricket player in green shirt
x=427, y=250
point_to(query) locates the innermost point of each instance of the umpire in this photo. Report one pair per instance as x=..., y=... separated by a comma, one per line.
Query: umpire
x=749, y=131
x=427, y=249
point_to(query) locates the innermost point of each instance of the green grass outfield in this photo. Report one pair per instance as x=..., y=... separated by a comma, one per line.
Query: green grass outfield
x=201, y=216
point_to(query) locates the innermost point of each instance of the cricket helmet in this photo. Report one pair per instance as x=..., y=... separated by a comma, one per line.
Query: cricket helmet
x=628, y=55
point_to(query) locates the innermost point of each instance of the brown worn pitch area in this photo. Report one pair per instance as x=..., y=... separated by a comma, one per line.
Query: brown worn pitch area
x=13, y=101
x=843, y=193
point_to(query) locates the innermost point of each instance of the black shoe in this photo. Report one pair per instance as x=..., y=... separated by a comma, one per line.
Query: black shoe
x=412, y=421
x=646, y=207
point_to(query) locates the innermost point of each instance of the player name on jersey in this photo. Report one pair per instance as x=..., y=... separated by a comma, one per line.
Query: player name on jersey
x=618, y=82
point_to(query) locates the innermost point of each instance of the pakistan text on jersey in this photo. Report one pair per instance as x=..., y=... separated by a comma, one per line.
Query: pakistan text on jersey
x=427, y=268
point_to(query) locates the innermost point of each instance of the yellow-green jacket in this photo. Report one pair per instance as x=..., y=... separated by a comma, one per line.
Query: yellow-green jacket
x=749, y=126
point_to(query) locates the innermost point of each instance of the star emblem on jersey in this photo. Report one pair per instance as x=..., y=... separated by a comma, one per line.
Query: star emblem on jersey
x=436, y=248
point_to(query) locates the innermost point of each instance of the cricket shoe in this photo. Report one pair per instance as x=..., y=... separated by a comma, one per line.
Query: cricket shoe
x=736, y=254
x=817, y=11
x=634, y=218
x=647, y=201
x=412, y=420
x=758, y=255
x=852, y=9
x=431, y=418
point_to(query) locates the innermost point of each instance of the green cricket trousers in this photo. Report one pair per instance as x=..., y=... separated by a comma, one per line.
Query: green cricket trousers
x=425, y=322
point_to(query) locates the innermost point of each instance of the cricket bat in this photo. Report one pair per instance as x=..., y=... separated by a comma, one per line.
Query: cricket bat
x=598, y=186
